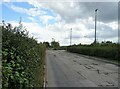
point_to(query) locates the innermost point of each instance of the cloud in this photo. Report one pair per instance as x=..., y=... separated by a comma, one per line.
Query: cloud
x=31, y=11
x=64, y=9
x=60, y=17
x=46, y=18
x=19, y=9
x=7, y=0
x=104, y=31
x=63, y=0
x=113, y=25
x=82, y=10
x=71, y=11
x=45, y=15
x=61, y=33
x=107, y=11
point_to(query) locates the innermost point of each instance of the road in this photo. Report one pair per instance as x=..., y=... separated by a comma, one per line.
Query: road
x=66, y=69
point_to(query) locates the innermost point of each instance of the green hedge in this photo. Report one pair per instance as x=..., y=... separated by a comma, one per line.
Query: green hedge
x=108, y=52
x=22, y=60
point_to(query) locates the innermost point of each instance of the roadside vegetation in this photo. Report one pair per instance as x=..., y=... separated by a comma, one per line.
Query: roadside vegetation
x=106, y=50
x=53, y=45
x=22, y=59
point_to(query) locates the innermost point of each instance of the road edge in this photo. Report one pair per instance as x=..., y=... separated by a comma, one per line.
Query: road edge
x=45, y=73
x=96, y=58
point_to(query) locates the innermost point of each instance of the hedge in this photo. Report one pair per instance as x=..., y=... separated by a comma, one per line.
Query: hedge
x=110, y=52
x=22, y=59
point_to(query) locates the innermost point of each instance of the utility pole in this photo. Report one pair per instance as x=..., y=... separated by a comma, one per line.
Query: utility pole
x=70, y=36
x=20, y=27
x=20, y=21
x=95, y=23
x=53, y=39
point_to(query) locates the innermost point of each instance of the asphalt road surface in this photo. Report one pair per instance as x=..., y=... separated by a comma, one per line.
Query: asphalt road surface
x=66, y=69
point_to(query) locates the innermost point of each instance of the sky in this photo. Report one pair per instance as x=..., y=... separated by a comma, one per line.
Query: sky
x=47, y=20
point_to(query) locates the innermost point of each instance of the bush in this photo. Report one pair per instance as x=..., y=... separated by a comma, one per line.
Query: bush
x=22, y=59
x=104, y=51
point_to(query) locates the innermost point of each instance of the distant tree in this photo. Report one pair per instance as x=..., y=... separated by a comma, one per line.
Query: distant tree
x=102, y=42
x=108, y=42
x=79, y=44
x=46, y=44
x=95, y=44
x=55, y=44
x=74, y=45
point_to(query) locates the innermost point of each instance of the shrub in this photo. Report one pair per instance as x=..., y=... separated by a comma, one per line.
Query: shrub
x=22, y=59
x=103, y=51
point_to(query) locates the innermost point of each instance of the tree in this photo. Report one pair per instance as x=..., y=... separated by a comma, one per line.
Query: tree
x=109, y=42
x=55, y=44
x=46, y=44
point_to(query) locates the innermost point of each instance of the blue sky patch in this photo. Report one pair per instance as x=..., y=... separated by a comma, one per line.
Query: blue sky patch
x=8, y=14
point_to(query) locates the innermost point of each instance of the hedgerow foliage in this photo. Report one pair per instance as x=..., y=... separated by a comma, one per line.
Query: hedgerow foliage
x=22, y=59
x=108, y=51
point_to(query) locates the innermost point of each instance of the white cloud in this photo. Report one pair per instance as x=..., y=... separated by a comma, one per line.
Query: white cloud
x=61, y=32
x=31, y=11
x=67, y=16
x=14, y=0
x=31, y=18
x=7, y=0
x=45, y=18
x=18, y=9
x=113, y=25
x=63, y=0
